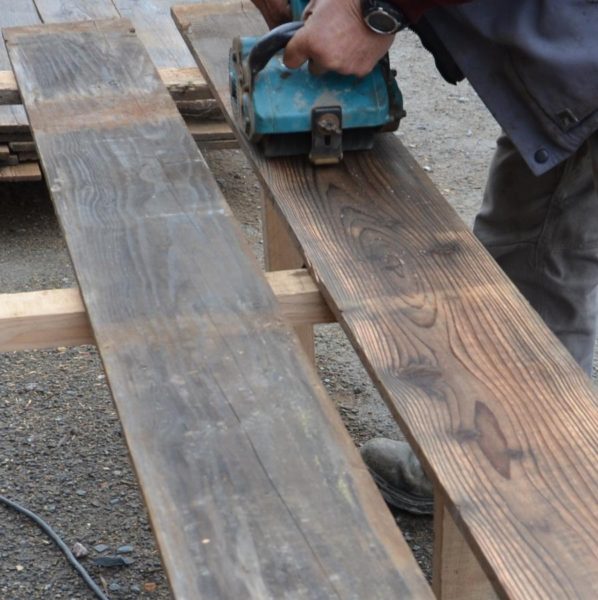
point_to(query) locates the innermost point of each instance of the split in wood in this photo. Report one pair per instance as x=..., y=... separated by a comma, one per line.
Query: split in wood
x=55, y=318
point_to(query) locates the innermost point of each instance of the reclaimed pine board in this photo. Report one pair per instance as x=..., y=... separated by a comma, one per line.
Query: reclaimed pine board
x=19, y=173
x=157, y=31
x=254, y=488
x=15, y=12
x=184, y=85
x=62, y=11
x=9, y=94
x=13, y=123
x=52, y=318
x=503, y=419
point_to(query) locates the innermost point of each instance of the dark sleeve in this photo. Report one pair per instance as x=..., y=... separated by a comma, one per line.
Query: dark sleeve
x=414, y=9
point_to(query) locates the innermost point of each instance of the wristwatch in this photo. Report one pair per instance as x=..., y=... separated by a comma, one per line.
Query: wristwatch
x=383, y=17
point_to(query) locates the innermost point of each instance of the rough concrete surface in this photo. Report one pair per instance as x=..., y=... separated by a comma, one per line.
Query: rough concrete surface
x=62, y=452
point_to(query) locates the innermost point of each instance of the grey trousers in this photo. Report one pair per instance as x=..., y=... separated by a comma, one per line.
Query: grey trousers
x=543, y=231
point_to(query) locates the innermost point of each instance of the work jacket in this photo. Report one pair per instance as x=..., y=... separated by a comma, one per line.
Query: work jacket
x=534, y=63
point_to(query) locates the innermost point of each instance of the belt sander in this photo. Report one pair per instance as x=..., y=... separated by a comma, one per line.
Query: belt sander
x=294, y=112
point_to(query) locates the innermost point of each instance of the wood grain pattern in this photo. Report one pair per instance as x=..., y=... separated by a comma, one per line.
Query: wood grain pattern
x=457, y=572
x=15, y=12
x=52, y=318
x=13, y=123
x=24, y=172
x=184, y=85
x=62, y=11
x=44, y=319
x=9, y=94
x=254, y=488
x=157, y=31
x=504, y=421
x=281, y=252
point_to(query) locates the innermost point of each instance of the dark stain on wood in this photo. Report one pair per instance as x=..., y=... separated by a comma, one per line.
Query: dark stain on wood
x=491, y=440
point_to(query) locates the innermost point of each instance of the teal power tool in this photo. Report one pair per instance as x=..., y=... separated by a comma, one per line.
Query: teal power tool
x=290, y=111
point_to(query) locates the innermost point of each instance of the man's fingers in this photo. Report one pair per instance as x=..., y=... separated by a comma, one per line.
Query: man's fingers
x=316, y=69
x=275, y=12
x=295, y=53
x=308, y=10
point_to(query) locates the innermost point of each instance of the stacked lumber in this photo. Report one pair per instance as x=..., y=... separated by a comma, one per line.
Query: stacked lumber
x=18, y=160
x=177, y=69
x=15, y=153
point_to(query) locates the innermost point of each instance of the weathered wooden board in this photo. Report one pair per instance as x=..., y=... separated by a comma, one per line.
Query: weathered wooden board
x=254, y=487
x=13, y=123
x=24, y=172
x=501, y=416
x=61, y=11
x=15, y=12
x=9, y=94
x=157, y=31
x=51, y=318
x=184, y=85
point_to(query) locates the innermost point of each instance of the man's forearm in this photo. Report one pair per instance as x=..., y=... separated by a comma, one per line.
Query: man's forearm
x=414, y=9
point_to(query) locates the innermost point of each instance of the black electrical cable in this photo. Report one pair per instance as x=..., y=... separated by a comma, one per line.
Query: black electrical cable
x=93, y=586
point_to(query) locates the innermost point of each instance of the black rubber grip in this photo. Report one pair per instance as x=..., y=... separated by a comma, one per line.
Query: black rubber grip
x=270, y=44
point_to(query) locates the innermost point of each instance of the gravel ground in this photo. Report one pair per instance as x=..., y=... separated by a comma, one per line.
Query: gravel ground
x=62, y=452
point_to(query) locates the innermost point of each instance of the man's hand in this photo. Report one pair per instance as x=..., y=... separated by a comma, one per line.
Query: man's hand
x=335, y=38
x=275, y=12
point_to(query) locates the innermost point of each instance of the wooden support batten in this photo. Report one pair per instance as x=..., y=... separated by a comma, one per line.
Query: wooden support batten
x=184, y=85
x=54, y=318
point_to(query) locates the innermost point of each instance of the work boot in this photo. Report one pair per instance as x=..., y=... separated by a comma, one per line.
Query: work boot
x=398, y=475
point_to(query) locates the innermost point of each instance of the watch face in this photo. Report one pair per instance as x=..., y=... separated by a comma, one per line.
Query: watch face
x=380, y=21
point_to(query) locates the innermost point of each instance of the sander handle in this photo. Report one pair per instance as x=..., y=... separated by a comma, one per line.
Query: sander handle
x=270, y=44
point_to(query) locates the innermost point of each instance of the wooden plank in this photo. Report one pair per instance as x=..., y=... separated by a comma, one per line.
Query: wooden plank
x=22, y=172
x=16, y=128
x=299, y=297
x=218, y=145
x=27, y=157
x=184, y=85
x=281, y=252
x=63, y=11
x=22, y=146
x=208, y=131
x=503, y=419
x=44, y=319
x=156, y=30
x=13, y=123
x=456, y=570
x=15, y=12
x=52, y=318
x=254, y=488
x=9, y=94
